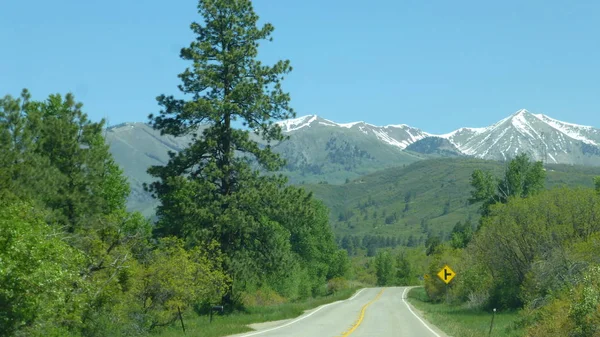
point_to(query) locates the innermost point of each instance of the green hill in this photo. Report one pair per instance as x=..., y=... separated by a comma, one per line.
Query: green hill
x=426, y=197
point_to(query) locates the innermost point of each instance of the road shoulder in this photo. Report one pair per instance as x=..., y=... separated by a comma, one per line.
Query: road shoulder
x=421, y=315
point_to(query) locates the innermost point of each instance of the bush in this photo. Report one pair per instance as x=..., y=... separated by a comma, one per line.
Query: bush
x=262, y=297
x=337, y=284
x=170, y=279
x=573, y=313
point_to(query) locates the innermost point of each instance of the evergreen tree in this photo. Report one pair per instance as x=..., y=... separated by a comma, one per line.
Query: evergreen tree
x=213, y=190
x=432, y=244
x=24, y=171
x=403, y=269
x=411, y=242
x=226, y=83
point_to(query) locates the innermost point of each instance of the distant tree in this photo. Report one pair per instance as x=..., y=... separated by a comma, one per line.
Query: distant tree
x=461, y=234
x=340, y=266
x=522, y=178
x=424, y=225
x=371, y=250
x=432, y=244
x=597, y=184
x=403, y=269
x=384, y=266
x=412, y=242
x=356, y=241
x=347, y=245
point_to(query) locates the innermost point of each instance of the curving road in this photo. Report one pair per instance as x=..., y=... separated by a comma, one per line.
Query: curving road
x=371, y=312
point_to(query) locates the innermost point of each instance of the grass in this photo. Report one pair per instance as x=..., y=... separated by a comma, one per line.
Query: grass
x=462, y=322
x=200, y=326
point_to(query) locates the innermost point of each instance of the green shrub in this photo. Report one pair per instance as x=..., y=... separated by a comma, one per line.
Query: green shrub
x=337, y=284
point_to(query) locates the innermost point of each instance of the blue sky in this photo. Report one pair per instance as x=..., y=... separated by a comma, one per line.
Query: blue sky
x=436, y=65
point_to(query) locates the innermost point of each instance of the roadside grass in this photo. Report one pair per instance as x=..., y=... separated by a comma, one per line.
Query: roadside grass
x=459, y=321
x=224, y=325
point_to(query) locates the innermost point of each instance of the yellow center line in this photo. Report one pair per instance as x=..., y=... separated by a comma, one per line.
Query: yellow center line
x=362, y=315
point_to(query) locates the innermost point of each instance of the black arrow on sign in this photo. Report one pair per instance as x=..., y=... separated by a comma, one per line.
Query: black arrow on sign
x=446, y=274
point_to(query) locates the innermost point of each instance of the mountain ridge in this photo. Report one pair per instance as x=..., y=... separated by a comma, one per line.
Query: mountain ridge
x=480, y=142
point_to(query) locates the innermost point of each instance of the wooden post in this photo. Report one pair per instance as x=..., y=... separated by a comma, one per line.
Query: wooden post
x=492, y=324
x=181, y=319
x=447, y=300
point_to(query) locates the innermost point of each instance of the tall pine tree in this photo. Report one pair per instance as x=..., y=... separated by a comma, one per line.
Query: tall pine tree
x=209, y=191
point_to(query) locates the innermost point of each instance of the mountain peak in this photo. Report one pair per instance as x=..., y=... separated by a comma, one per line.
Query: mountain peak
x=521, y=112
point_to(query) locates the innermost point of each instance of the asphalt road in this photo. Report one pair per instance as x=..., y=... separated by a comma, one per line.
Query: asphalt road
x=372, y=312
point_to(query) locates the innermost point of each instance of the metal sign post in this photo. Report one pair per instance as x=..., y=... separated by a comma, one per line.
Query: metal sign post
x=446, y=274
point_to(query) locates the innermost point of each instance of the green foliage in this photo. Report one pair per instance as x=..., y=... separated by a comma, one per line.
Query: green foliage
x=384, y=265
x=93, y=183
x=522, y=178
x=432, y=244
x=340, y=265
x=524, y=234
x=37, y=271
x=574, y=312
x=404, y=270
x=461, y=234
x=395, y=269
x=172, y=278
x=435, y=288
x=22, y=169
x=337, y=284
x=597, y=184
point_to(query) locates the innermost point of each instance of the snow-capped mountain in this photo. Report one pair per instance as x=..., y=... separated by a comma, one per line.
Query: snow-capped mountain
x=399, y=136
x=542, y=137
x=538, y=135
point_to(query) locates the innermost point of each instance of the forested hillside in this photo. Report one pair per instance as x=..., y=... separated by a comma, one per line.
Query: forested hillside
x=407, y=205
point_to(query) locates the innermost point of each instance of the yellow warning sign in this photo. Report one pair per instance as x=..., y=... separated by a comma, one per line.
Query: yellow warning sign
x=446, y=274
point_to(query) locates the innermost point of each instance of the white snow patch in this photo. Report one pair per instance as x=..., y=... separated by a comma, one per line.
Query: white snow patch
x=362, y=129
x=570, y=130
x=449, y=135
x=349, y=125
x=398, y=126
x=329, y=121
x=548, y=118
x=387, y=139
x=294, y=124
x=327, y=124
x=496, y=141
